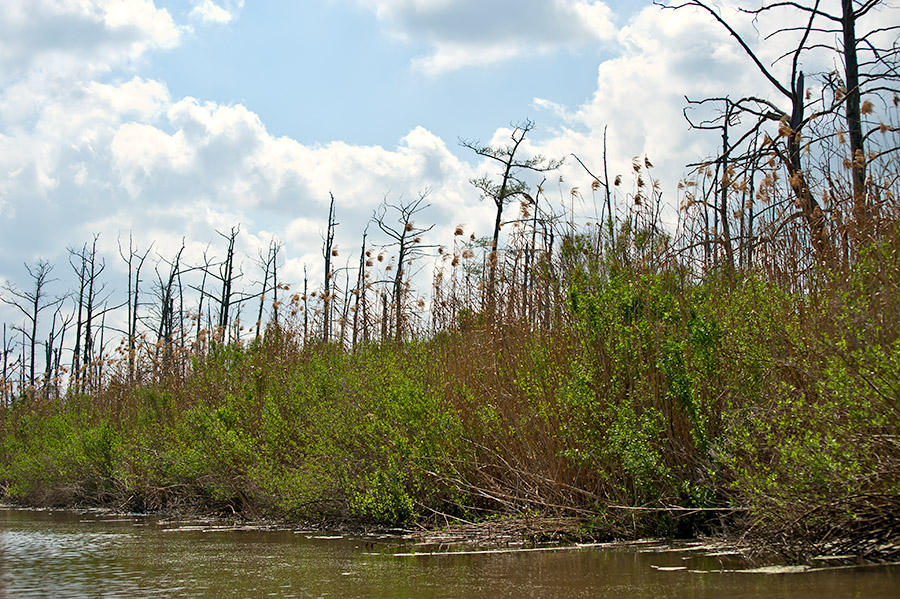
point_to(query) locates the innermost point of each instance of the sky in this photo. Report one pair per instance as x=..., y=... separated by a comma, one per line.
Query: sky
x=172, y=119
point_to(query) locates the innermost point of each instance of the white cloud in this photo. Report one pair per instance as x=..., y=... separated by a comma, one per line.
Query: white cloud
x=208, y=12
x=109, y=158
x=84, y=149
x=61, y=37
x=464, y=33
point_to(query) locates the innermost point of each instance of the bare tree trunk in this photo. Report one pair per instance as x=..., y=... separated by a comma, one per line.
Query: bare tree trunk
x=809, y=207
x=262, y=295
x=30, y=303
x=93, y=290
x=82, y=281
x=305, y=307
x=275, y=248
x=227, y=271
x=384, y=317
x=609, y=211
x=6, y=350
x=724, y=183
x=327, y=250
x=346, y=305
x=854, y=119
x=360, y=287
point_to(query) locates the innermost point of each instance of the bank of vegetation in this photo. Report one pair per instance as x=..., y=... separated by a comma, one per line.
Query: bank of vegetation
x=736, y=371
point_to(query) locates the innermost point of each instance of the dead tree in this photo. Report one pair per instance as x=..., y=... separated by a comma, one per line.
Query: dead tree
x=224, y=273
x=202, y=289
x=723, y=176
x=229, y=301
x=879, y=74
x=226, y=276
x=269, y=264
x=79, y=264
x=406, y=236
x=345, y=304
x=360, y=291
x=791, y=124
x=7, y=349
x=328, y=252
x=608, y=208
x=275, y=285
x=134, y=261
x=30, y=303
x=305, y=306
x=510, y=184
x=816, y=28
x=51, y=351
x=167, y=288
x=88, y=269
x=94, y=290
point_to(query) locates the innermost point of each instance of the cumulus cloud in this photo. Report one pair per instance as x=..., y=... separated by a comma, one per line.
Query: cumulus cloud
x=59, y=37
x=89, y=147
x=163, y=165
x=464, y=33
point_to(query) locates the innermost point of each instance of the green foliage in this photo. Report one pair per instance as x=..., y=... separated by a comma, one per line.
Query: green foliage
x=58, y=458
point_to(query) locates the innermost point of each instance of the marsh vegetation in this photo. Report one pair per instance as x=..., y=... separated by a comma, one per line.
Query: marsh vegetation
x=733, y=370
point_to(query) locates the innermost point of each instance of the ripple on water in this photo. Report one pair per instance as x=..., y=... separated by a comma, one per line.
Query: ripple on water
x=45, y=555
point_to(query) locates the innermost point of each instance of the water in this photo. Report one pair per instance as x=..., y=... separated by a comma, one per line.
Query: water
x=63, y=554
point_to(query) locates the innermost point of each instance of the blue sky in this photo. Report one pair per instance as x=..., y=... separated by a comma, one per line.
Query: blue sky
x=319, y=71
x=172, y=119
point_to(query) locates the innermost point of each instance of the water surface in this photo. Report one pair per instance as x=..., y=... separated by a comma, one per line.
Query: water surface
x=65, y=554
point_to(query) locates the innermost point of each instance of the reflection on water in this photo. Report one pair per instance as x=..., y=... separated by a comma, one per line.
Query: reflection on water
x=61, y=554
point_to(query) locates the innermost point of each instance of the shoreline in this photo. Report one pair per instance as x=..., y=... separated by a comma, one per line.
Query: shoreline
x=449, y=541
x=530, y=531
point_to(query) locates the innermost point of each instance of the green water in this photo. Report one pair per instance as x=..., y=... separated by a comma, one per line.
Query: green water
x=64, y=554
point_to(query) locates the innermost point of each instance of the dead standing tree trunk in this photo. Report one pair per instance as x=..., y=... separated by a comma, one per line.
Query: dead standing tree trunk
x=228, y=299
x=328, y=252
x=30, y=303
x=852, y=47
x=360, y=291
x=5, y=383
x=269, y=266
x=723, y=176
x=78, y=263
x=509, y=185
x=92, y=299
x=167, y=321
x=406, y=236
x=226, y=276
x=856, y=50
x=87, y=269
x=305, y=307
x=134, y=286
x=51, y=353
x=790, y=127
